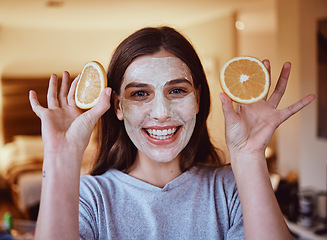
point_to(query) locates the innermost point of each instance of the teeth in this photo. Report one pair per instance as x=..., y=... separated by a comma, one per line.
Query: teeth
x=161, y=134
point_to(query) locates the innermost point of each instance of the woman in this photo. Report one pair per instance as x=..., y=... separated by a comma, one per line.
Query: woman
x=150, y=181
x=144, y=42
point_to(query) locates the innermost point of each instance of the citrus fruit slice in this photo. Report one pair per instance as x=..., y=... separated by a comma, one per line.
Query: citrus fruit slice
x=245, y=79
x=90, y=85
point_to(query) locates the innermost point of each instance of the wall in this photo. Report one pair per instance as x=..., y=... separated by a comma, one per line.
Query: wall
x=313, y=150
x=40, y=52
x=288, y=39
x=258, y=38
x=215, y=41
x=299, y=147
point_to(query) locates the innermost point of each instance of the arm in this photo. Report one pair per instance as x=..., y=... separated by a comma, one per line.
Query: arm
x=66, y=131
x=249, y=129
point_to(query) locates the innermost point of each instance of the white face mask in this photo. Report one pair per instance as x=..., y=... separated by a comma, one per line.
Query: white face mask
x=158, y=103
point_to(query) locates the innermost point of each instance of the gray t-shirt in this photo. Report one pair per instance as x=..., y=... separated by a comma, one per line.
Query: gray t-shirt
x=201, y=203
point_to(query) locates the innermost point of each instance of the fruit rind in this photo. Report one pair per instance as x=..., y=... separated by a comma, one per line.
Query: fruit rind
x=226, y=90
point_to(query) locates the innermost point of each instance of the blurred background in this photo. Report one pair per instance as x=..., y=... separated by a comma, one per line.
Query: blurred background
x=40, y=37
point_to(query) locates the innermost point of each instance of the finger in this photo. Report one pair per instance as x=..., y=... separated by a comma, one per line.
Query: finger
x=291, y=110
x=64, y=88
x=266, y=62
x=102, y=106
x=35, y=104
x=52, y=96
x=86, y=121
x=281, y=85
x=228, y=109
x=89, y=118
x=71, y=93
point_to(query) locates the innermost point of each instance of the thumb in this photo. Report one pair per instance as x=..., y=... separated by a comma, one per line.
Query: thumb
x=86, y=121
x=228, y=109
x=35, y=104
x=103, y=105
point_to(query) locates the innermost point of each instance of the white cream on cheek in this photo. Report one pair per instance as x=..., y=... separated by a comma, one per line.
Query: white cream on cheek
x=159, y=111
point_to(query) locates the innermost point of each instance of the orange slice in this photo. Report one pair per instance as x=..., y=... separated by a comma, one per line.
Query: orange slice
x=90, y=85
x=245, y=79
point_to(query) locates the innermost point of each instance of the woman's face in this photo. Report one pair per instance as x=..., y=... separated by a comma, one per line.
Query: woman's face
x=158, y=103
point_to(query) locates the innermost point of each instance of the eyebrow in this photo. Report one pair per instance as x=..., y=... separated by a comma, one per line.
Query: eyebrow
x=179, y=80
x=136, y=85
x=171, y=82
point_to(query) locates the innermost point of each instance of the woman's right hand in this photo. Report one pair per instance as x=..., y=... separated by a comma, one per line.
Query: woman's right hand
x=64, y=125
x=66, y=131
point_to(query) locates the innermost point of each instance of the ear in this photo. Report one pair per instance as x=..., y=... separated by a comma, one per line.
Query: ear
x=118, y=109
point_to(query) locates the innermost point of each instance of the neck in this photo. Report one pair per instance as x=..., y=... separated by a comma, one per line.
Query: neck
x=154, y=173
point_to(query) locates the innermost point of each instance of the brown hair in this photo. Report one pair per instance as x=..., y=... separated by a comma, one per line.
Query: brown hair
x=116, y=149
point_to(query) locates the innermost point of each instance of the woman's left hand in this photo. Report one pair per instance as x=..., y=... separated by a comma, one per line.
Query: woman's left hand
x=250, y=127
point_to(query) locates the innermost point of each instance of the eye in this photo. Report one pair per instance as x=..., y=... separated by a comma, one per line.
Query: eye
x=179, y=91
x=139, y=94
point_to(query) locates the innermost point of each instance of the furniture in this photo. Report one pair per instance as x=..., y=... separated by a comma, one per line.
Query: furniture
x=305, y=233
x=21, y=168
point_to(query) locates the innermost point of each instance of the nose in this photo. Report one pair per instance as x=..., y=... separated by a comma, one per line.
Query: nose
x=161, y=109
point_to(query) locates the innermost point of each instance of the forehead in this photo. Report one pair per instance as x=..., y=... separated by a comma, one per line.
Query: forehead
x=156, y=70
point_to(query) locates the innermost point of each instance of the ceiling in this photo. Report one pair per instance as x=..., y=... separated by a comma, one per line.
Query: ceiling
x=117, y=14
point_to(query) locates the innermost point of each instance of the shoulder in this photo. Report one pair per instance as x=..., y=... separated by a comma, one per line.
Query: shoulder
x=219, y=183
x=225, y=173
x=95, y=192
x=220, y=178
x=222, y=173
x=98, y=183
x=97, y=178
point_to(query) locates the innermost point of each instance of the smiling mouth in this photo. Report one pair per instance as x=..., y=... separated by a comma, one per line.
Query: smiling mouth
x=162, y=134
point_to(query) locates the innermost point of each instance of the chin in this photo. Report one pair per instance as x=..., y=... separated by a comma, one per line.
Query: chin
x=163, y=157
